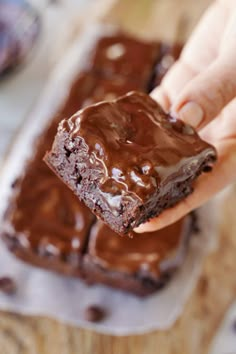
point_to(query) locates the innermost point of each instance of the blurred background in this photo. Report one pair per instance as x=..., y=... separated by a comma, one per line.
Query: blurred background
x=40, y=29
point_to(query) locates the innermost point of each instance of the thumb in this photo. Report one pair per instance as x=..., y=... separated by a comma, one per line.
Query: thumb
x=203, y=98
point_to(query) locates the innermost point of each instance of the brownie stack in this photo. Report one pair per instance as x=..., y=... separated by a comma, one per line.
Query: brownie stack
x=46, y=225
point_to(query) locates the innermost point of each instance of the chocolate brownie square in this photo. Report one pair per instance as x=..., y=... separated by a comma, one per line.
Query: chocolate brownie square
x=128, y=160
x=140, y=265
x=44, y=223
x=126, y=56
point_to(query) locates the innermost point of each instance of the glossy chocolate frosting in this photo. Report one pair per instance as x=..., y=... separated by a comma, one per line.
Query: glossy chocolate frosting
x=125, y=56
x=148, y=253
x=44, y=215
x=136, y=146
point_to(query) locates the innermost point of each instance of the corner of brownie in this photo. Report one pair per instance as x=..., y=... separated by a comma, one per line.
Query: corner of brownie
x=128, y=160
x=143, y=264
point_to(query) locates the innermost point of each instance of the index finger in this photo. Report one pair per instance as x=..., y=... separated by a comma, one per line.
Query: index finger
x=200, y=51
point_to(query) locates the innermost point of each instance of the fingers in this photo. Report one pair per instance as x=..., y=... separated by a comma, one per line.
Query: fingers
x=161, y=97
x=203, y=46
x=174, y=81
x=205, y=187
x=201, y=194
x=197, y=97
x=203, y=98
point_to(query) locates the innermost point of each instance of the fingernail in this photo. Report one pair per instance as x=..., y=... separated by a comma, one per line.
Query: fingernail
x=192, y=114
x=140, y=229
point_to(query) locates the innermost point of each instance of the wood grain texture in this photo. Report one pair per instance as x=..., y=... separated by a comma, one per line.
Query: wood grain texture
x=170, y=20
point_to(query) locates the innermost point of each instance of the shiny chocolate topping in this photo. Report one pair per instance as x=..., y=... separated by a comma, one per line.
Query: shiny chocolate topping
x=126, y=56
x=136, y=145
x=47, y=217
x=144, y=253
x=45, y=214
x=50, y=217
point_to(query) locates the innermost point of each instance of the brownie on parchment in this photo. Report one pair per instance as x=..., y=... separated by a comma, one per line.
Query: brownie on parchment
x=141, y=264
x=44, y=223
x=128, y=160
x=126, y=56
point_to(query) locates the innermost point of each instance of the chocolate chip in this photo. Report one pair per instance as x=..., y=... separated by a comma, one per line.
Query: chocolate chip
x=7, y=285
x=94, y=313
x=14, y=183
x=195, y=223
x=207, y=168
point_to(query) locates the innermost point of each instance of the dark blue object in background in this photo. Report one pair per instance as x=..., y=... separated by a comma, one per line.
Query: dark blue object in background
x=19, y=29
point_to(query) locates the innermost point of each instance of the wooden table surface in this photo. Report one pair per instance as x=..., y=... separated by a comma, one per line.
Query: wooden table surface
x=168, y=19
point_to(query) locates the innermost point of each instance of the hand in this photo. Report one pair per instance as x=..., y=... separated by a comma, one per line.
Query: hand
x=201, y=90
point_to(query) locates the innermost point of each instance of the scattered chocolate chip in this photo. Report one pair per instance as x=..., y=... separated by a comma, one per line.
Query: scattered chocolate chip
x=94, y=313
x=195, y=223
x=15, y=182
x=7, y=285
x=207, y=169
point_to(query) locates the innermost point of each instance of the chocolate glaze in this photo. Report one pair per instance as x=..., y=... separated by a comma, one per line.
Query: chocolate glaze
x=136, y=147
x=144, y=254
x=45, y=216
x=126, y=56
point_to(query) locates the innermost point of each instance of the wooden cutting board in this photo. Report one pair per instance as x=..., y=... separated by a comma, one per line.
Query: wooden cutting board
x=170, y=20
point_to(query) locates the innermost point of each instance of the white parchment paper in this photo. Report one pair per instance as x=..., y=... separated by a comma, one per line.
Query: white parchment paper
x=225, y=340
x=44, y=293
